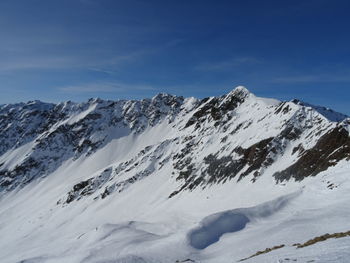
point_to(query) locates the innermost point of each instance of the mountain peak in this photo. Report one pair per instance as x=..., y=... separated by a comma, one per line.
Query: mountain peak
x=240, y=92
x=241, y=89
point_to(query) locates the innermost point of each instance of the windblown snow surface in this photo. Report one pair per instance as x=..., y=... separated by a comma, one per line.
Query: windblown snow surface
x=138, y=222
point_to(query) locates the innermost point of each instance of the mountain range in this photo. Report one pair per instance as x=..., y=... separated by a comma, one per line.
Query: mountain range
x=174, y=179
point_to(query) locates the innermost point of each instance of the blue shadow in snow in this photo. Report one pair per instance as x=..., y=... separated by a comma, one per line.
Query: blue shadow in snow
x=214, y=227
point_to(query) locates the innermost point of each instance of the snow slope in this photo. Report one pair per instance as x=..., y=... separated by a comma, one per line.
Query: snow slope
x=170, y=179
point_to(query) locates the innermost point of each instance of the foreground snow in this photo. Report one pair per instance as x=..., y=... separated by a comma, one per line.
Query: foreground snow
x=147, y=227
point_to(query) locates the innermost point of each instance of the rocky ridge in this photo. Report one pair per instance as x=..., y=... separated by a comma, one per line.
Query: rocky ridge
x=237, y=136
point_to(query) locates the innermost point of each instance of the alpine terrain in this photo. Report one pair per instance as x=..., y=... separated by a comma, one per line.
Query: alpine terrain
x=172, y=179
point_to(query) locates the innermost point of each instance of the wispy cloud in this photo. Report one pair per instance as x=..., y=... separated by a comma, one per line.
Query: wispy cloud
x=45, y=47
x=91, y=88
x=227, y=64
x=313, y=78
x=42, y=62
x=103, y=87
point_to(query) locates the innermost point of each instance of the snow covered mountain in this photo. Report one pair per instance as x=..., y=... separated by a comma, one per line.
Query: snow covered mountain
x=173, y=179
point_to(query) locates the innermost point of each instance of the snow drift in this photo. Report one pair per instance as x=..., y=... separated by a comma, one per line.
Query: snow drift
x=214, y=226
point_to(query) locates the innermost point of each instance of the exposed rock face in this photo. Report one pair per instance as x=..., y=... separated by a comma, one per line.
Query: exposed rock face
x=68, y=130
x=217, y=108
x=202, y=142
x=329, y=150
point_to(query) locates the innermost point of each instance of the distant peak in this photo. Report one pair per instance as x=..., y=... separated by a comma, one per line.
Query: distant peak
x=162, y=95
x=38, y=105
x=328, y=113
x=95, y=100
x=31, y=102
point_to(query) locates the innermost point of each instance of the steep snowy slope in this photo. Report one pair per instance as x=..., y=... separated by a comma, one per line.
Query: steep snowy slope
x=172, y=179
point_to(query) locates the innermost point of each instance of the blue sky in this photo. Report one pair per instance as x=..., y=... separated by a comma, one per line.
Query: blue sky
x=56, y=50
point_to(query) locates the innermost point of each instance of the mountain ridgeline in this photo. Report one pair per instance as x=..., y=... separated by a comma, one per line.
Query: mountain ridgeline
x=234, y=137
